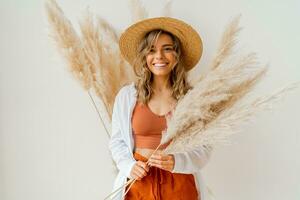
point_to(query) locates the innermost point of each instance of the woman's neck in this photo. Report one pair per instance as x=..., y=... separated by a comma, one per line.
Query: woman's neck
x=161, y=84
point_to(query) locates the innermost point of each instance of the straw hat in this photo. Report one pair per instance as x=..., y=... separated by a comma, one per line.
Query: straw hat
x=191, y=42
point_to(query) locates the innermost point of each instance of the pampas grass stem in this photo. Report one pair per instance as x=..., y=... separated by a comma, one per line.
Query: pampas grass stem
x=98, y=112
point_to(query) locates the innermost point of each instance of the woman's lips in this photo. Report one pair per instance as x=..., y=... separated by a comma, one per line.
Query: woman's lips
x=160, y=64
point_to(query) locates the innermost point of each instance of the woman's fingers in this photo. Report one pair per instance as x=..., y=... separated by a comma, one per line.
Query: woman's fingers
x=139, y=170
x=165, y=162
x=144, y=166
x=162, y=161
x=138, y=175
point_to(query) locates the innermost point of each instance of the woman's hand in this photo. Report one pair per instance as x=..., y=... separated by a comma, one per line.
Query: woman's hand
x=139, y=170
x=162, y=161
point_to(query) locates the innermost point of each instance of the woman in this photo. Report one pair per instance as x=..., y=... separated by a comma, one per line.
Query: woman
x=161, y=51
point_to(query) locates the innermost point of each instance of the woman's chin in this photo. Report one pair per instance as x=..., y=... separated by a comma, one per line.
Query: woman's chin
x=161, y=73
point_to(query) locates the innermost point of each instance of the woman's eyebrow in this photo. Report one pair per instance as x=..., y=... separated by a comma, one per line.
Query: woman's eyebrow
x=167, y=45
x=163, y=45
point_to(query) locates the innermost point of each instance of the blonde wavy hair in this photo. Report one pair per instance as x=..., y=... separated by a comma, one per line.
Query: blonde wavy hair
x=144, y=77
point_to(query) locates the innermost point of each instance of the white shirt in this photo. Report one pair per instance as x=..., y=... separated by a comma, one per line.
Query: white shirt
x=121, y=146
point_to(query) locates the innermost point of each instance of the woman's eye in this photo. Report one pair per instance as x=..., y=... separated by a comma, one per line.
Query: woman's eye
x=168, y=49
x=165, y=49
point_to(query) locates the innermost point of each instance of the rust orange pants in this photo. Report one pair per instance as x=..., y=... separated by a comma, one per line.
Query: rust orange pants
x=162, y=185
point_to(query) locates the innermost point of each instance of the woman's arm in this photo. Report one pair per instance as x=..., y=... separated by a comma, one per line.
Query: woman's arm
x=119, y=149
x=191, y=161
x=185, y=163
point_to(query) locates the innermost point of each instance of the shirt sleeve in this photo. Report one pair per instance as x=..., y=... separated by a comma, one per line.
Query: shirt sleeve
x=120, y=151
x=192, y=161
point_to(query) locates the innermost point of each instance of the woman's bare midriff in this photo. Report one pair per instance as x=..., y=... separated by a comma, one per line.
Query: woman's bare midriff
x=145, y=152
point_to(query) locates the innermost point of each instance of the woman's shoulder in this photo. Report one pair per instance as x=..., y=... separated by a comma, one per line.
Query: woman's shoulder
x=126, y=89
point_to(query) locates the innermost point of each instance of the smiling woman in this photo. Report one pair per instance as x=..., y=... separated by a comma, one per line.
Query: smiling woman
x=161, y=51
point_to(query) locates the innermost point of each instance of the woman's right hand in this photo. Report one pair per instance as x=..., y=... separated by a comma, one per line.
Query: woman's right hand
x=139, y=170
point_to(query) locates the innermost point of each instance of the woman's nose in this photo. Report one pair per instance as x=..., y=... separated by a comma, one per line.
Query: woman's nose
x=159, y=54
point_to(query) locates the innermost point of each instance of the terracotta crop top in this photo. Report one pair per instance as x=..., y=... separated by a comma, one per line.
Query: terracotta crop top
x=147, y=127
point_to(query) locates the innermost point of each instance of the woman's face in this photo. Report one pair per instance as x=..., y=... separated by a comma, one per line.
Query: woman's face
x=161, y=58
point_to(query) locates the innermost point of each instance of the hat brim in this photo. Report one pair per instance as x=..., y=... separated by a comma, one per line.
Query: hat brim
x=190, y=40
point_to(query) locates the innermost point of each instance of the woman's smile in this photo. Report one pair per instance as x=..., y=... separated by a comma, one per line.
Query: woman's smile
x=160, y=65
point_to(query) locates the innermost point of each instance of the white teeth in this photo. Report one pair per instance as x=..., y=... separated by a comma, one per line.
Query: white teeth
x=159, y=65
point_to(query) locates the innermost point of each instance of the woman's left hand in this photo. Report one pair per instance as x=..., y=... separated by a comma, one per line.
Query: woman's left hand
x=162, y=161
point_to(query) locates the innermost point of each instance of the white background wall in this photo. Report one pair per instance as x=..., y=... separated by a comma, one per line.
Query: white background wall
x=53, y=146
